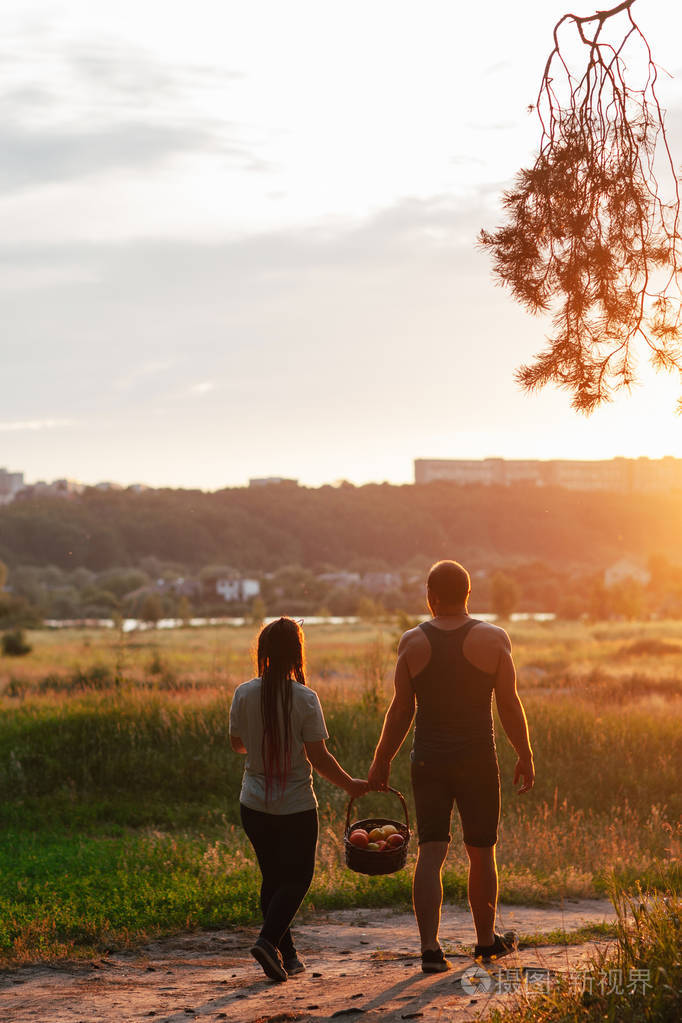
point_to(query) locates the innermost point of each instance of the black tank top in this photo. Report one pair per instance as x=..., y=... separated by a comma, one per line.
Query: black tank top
x=454, y=698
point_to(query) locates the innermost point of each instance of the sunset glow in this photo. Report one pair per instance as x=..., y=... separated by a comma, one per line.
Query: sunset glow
x=241, y=240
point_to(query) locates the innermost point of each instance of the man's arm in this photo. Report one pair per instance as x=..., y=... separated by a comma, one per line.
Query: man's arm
x=396, y=723
x=512, y=715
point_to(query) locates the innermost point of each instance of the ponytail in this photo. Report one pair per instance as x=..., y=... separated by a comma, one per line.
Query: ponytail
x=280, y=662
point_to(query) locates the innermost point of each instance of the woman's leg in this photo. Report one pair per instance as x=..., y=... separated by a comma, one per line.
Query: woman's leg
x=285, y=847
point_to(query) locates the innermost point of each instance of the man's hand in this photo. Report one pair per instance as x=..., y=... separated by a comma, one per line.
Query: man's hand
x=378, y=775
x=524, y=769
x=357, y=787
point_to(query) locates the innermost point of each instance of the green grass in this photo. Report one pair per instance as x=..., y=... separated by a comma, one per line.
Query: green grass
x=66, y=895
x=119, y=792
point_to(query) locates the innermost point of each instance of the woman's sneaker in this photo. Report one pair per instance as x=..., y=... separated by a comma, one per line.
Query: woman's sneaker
x=433, y=961
x=502, y=946
x=269, y=958
x=294, y=965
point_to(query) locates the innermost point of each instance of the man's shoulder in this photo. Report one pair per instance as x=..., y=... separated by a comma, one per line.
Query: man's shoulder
x=410, y=637
x=492, y=635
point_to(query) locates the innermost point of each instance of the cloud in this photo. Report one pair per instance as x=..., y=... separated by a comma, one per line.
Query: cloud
x=139, y=373
x=31, y=157
x=90, y=109
x=17, y=425
x=203, y=388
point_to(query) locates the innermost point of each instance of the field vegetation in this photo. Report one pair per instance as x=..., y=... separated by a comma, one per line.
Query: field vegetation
x=119, y=805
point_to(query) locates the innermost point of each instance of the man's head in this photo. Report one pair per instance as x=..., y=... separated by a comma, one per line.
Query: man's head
x=447, y=588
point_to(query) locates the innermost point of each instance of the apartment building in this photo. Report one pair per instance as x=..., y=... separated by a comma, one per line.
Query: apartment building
x=626, y=475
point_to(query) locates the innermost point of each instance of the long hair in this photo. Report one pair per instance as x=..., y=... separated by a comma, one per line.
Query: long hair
x=280, y=662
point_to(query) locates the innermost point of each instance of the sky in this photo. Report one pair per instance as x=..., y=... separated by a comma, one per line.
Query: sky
x=239, y=239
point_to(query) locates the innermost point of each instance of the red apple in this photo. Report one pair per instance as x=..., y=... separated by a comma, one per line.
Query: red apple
x=394, y=841
x=359, y=838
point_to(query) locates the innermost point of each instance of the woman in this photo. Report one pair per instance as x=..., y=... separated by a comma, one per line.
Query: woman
x=278, y=723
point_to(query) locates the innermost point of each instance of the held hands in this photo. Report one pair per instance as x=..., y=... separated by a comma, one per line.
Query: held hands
x=524, y=769
x=357, y=787
x=379, y=774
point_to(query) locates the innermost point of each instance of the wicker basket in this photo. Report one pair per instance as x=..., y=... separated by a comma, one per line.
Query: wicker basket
x=388, y=861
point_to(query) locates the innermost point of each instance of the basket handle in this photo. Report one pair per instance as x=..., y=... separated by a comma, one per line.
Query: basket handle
x=387, y=789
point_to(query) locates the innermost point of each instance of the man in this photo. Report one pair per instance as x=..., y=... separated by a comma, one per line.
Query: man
x=450, y=666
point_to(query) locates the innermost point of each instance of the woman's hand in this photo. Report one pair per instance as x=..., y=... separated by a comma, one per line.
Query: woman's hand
x=357, y=787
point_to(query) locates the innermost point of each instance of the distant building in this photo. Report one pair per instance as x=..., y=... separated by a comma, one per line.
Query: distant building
x=622, y=475
x=237, y=589
x=58, y=488
x=180, y=586
x=379, y=582
x=340, y=578
x=10, y=485
x=267, y=481
x=108, y=486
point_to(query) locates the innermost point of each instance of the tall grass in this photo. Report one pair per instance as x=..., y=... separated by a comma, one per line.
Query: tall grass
x=119, y=791
x=144, y=743
x=638, y=978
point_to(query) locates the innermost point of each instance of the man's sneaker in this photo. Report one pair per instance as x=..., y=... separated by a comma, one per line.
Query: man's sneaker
x=433, y=961
x=502, y=946
x=269, y=958
x=294, y=965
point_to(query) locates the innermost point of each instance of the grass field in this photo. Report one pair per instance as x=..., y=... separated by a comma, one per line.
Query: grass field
x=120, y=793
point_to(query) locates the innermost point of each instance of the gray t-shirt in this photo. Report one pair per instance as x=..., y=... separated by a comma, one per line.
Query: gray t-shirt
x=307, y=725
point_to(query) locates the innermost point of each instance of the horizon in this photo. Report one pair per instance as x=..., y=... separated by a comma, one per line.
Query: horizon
x=337, y=481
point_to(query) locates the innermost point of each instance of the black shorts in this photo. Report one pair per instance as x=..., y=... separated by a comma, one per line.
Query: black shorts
x=472, y=780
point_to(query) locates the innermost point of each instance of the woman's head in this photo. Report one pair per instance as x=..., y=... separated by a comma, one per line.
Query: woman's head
x=281, y=650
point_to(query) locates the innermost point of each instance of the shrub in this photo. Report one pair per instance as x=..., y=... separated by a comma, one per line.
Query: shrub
x=14, y=643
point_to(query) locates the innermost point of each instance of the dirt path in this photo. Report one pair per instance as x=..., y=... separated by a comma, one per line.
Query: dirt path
x=362, y=965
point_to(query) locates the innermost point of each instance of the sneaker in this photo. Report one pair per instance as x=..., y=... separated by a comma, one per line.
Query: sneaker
x=503, y=945
x=433, y=961
x=269, y=958
x=294, y=965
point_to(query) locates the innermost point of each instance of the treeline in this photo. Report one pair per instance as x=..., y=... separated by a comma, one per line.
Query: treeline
x=335, y=550
x=262, y=529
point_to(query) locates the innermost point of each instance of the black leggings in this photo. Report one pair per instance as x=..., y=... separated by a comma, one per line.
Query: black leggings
x=285, y=847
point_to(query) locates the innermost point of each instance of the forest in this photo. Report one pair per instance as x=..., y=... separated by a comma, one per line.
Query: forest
x=265, y=528
x=159, y=553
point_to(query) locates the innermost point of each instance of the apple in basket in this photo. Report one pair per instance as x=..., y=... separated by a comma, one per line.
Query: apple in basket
x=394, y=841
x=376, y=835
x=373, y=846
x=359, y=838
x=389, y=829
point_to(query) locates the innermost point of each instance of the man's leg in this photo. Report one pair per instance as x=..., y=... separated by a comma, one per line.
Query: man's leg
x=427, y=891
x=478, y=801
x=483, y=891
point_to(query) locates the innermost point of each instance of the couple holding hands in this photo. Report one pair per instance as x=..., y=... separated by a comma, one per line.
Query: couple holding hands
x=447, y=669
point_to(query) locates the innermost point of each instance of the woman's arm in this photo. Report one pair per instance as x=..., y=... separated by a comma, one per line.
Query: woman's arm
x=237, y=744
x=327, y=765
